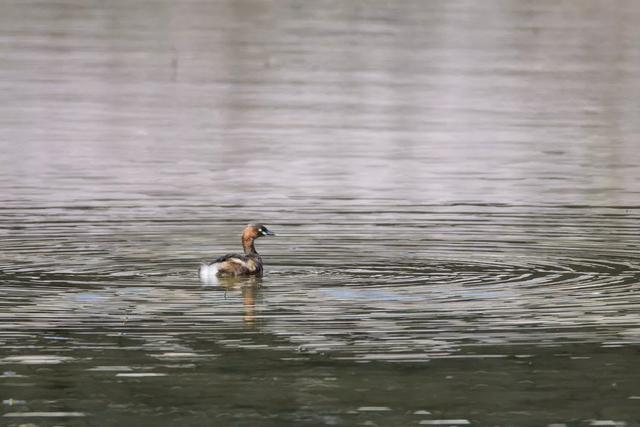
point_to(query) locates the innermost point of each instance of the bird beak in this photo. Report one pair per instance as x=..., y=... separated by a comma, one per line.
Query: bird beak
x=269, y=233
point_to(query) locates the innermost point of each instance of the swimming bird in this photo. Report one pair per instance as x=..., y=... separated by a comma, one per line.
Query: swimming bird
x=234, y=265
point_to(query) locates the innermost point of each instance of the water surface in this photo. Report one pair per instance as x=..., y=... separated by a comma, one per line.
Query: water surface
x=454, y=186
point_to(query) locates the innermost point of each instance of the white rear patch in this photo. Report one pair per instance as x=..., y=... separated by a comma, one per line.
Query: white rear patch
x=208, y=273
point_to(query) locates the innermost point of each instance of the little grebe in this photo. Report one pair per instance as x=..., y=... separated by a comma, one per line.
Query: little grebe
x=231, y=265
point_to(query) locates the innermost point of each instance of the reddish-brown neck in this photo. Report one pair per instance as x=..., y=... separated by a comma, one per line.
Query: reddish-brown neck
x=247, y=244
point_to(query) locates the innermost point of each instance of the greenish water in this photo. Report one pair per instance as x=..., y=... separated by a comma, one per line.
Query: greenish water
x=455, y=186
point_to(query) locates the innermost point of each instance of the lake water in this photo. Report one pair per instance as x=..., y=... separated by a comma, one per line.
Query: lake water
x=455, y=186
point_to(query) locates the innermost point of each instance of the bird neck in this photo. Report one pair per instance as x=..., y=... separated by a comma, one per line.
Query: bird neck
x=248, y=246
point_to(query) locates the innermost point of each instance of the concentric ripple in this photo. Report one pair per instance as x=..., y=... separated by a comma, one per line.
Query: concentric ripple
x=366, y=290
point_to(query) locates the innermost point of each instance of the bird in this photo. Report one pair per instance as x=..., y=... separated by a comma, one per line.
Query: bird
x=238, y=265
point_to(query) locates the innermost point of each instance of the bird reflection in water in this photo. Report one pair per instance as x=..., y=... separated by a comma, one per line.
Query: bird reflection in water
x=250, y=288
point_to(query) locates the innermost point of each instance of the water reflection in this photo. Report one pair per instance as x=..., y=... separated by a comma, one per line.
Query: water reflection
x=249, y=287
